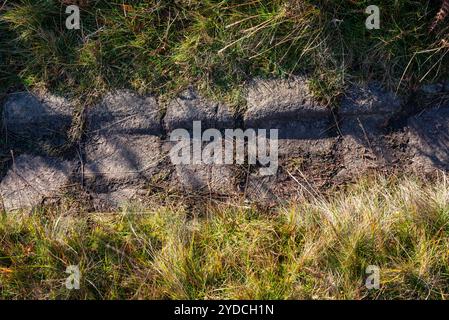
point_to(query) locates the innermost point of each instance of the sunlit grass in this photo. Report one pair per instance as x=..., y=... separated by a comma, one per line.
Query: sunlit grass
x=317, y=248
x=162, y=46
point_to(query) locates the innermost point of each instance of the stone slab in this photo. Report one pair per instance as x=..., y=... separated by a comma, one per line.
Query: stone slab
x=32, y=179
x=189, y=107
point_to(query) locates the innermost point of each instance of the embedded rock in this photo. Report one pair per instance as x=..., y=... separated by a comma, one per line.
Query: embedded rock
x=365, y=114
x=287, y=105
x=370, y=99
x=365, y=111
x=206, y=178
x=122, y=159
x=305, y=132
x=31, y=119
x=25, y=109
x=429, y=140
x=189, y=107
x=33, y=179
x=123, y=112
x=122, y=150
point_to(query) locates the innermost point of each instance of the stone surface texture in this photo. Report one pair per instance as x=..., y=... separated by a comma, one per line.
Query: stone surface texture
x=218, y=179
x=33, y=179
x=124, y=152
x=22, y=110
x=365, y=114
x=125, y=112
x=429, y=139
x=189, y=107
x=35, y=122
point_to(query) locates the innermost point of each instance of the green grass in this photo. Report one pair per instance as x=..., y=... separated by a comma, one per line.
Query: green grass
x=317, y=248
x=162, y=46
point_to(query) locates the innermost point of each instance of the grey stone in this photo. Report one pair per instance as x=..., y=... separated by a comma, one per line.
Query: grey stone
x=37, y=117
x=364, y=147
x=370, y=99
x=286, y=105
x=122, y=151
x=365, y=114
x=360, y=155
x=429, y=140
x=31, y=180
x=305, y=131
x=189, y=107
x=282, y=99
x=206, y=178
x=125, y=112
x=121, y=159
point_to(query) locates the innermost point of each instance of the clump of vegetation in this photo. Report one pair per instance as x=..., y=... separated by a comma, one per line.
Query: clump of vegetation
x=317, y=248
x=161, y=46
